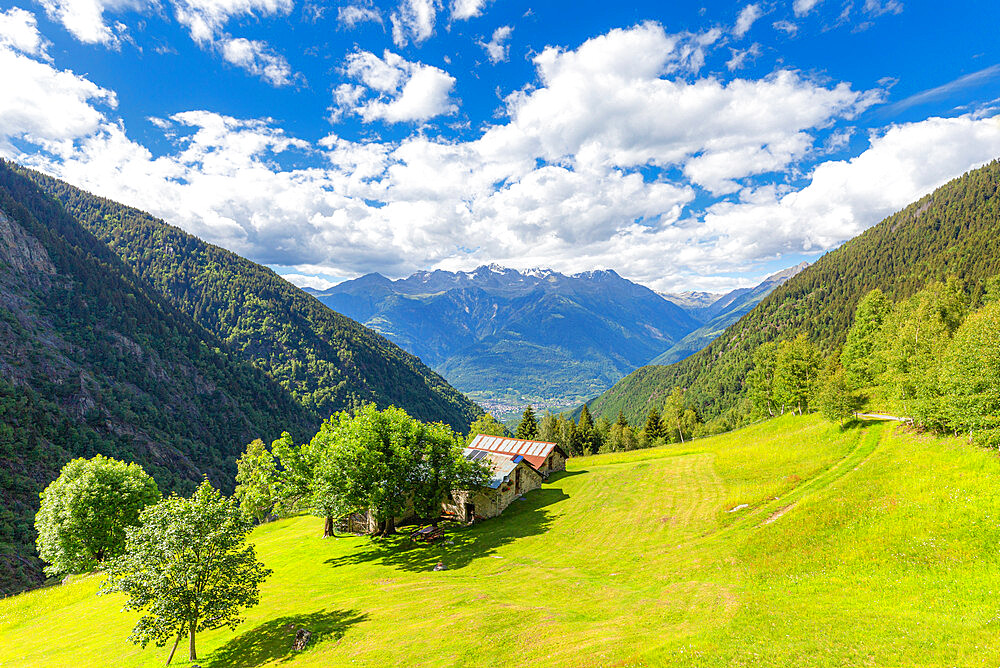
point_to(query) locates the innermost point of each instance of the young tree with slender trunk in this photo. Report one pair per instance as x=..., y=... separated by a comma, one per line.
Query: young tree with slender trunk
x=760, y=379
x=796, y=370
x=673, y=413
x=256, y=476
x=187, y=568
x=836, y=398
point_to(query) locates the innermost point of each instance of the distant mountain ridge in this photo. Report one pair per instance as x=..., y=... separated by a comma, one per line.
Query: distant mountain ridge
x=503, y=334
x=692, y=300
x=722, y=312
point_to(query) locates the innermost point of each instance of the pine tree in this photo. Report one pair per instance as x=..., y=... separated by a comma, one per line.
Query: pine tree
x=586, y=436
x=653, y=428
x=528, y=428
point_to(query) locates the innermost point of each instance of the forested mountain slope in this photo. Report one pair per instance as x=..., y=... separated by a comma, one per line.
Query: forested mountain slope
x=514, y=336
x=953, y=231
x=327, y=361
x=93, y=361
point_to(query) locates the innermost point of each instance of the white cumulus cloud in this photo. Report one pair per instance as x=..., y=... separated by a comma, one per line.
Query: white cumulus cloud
x=46, y=106
x=597, y=164
x=85, y=18
x=393, y=89
x=609, y=103
x=466, y=9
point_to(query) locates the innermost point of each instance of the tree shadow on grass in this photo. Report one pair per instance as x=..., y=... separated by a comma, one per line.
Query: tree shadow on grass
x=461, y=544
x=559, y=475
x=272, y=641
x=855, y=423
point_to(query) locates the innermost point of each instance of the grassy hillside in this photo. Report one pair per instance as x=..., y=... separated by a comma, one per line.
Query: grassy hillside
x=953, y=231
x=863, y=547
x=94, y=361
x=327, y=361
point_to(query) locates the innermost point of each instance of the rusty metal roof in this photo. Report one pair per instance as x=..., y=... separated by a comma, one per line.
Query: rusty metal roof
x=534, y=452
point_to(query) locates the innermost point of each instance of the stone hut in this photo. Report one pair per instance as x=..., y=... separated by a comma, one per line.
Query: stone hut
x=511, y=477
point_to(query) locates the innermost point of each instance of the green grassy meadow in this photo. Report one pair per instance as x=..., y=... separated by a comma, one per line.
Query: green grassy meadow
x=864, y=547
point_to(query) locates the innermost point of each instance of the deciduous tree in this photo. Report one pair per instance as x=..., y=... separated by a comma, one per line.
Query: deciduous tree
x=836, y=398
x=256, y=477
x=186, y=568
x=796, y=369
x=485, y=424
x=760, y=379
x=86, y=511
x=970, y=374
x=381, y=461
x=673, y=413
x=862, y=366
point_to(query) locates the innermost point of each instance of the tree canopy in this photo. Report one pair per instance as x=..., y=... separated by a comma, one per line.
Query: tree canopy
x=488, y=425
x=86, y=511
x=381, y=461
x=256, y=479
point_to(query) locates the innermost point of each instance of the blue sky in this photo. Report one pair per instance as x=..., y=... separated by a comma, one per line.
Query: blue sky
x=686, y=146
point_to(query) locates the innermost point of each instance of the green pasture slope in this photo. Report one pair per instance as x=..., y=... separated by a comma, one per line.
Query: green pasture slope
x=868, y=547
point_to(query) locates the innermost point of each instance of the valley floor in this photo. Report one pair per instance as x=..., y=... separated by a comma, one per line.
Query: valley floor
x=869, y=546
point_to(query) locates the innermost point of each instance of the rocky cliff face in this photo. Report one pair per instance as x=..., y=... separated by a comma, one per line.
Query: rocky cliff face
x=20, y=251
